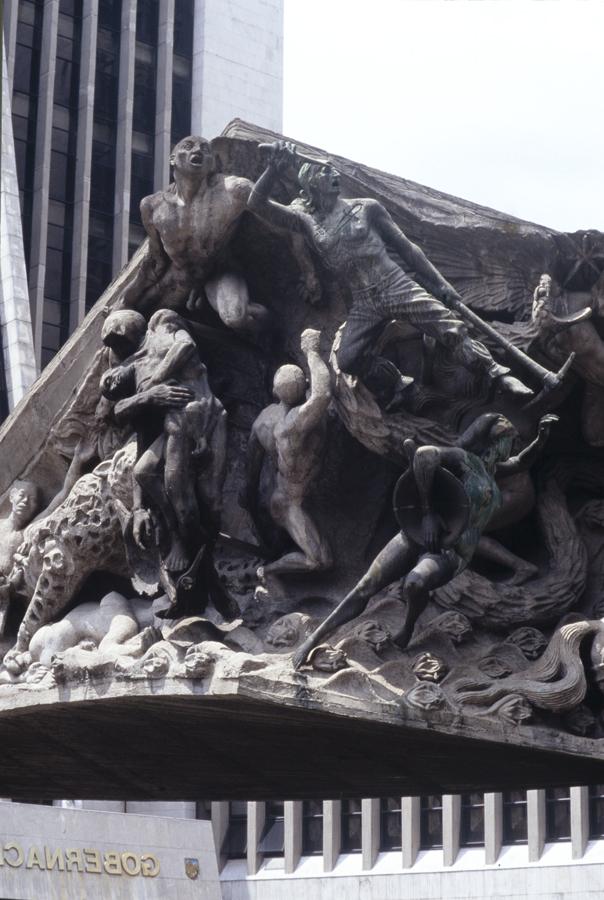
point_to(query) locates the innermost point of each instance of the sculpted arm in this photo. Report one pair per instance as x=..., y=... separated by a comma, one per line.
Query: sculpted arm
x=426, y=274
x=155, y=262
x=426, y=461
x=275, y=214
x=161, y=395
x=527, y=457
x=178, y=355
x=312, y=411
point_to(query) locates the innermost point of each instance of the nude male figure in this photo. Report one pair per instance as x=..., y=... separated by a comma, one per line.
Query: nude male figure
x=24, y=499
x=190, y=225
x=174, y=440
x=292, y=432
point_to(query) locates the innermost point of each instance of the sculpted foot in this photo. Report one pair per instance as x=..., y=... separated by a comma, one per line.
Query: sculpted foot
x=177, y=559
x=523, y=574
x=511, y=385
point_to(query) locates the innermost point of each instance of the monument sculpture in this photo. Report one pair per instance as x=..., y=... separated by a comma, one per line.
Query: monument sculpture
x=338, y=448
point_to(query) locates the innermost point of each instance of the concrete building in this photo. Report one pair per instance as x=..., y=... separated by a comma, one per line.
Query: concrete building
x=100, y=90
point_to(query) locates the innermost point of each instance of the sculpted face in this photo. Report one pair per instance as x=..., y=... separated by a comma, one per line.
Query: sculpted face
x=321, y=183
x=24, y=500
x=193, y=157
x=289, y=385
x=117, y=383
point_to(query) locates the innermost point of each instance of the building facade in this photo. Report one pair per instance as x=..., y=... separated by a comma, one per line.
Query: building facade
x=100, y=91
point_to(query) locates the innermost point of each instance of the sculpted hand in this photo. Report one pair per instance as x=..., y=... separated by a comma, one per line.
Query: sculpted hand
x=309, y=341
x=431, y=531
x=282, y=155
x=170, y=395
x=142, y=528
x=545, y=424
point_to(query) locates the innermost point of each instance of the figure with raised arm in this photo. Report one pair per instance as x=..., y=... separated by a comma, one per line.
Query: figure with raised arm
x=291, y=432
x=359, y=242
x=423, y=558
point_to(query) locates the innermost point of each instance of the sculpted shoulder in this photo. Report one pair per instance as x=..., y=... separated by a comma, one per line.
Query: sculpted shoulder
x=238, y=188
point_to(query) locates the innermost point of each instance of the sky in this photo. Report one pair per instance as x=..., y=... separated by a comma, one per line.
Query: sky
x=497, y=101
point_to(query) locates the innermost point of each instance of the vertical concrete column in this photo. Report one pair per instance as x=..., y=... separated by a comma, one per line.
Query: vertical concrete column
x=410, y=830
x=332, y=833
x=123, y=141
x=292, y=824
x=535, y=823
x=370, y=832
x=493, y=827
x=163, y=103
x=579, y=820
x=451, y=823
x=39, y=226
x=220, y=826
x=81, y=205
x=17, y=342
x=256, y=816
x=10, y=15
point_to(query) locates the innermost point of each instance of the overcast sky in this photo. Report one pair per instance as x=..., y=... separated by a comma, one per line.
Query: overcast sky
x=497, y=101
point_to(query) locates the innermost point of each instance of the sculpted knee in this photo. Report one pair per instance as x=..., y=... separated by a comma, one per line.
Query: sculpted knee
x=414, y=586
x=349, y=360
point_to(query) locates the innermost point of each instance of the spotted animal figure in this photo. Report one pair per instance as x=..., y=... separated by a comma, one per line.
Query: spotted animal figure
x=81, y=536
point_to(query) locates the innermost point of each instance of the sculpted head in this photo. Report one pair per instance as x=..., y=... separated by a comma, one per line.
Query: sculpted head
x=166, y=318
x=123, y=331
x=24, y=499
x=192, y=157
x=320, y=183
x=289, y=385
x=491, y=436
x=118, y=382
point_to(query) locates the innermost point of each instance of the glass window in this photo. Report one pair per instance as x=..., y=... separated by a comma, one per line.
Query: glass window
x=27, y=11
x=183, y=28
x=236, y=837
x=53, y=282
x=472, y=820
x=351, y=826
x=431, y=822
x=110, y=14
x=272, y=841
x=312, y=828
x=51, y=337
x=22, y=75
x=181, y=109
x=390, y=823
x=146, y=21
x=557, y=814
x=596, y=811
x=514, y=817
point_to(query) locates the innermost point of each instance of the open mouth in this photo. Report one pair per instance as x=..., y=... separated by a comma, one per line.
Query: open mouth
x=197, y=159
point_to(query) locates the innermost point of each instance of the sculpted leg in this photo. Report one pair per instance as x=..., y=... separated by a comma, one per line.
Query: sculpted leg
x=314, y=554
x=228, y=295
x=432, y=571
x=389, y=565
x=177, y=479
x=491, y=549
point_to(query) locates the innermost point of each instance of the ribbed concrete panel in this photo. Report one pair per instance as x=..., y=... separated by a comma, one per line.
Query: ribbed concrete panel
x=39, y=227
x=15, y=317
x=123, y=144
x=163, y=103
x=81, y=207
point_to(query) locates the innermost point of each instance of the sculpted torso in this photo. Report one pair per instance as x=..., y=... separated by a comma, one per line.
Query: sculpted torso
x=295, y=453
x=349, y=243
x=193, y=234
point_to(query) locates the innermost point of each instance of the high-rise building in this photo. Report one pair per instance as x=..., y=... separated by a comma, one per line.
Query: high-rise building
x=100, y=91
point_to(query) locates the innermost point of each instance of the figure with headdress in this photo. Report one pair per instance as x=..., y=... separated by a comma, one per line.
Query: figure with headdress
x=444, y=503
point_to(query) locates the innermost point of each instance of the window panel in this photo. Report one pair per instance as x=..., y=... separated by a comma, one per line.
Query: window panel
x=514, y=817
x=312, y=828
x=272, y=839
x=431, y=822
x=235, y=845
x=390, y=823
x=472, y=820
x=351, y=826
x=557, y=814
